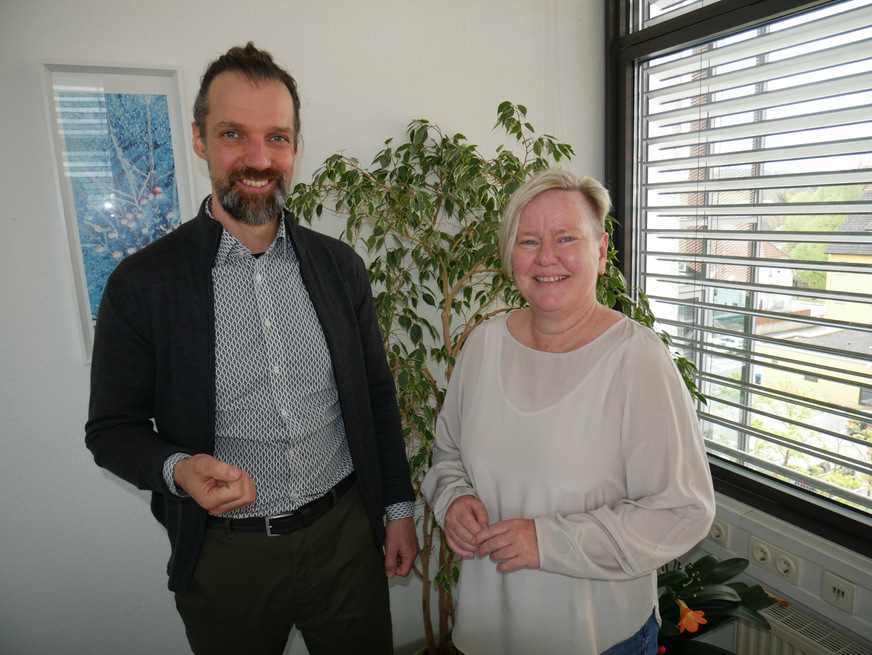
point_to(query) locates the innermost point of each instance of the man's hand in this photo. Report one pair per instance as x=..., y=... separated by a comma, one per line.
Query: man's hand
x=401, y=547
x=466, y=516
x=217, y=487
x=512, y=544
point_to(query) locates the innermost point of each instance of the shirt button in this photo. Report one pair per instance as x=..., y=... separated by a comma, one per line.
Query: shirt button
x=267, y=322
x=284, y=413
x=291, y=453
x=295, y=494
x=276, y=369
x=258, y=277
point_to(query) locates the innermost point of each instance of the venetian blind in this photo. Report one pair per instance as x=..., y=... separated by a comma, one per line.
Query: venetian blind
x=753, y=197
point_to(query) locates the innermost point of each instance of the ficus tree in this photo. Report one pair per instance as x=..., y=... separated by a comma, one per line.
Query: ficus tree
x=427, y=212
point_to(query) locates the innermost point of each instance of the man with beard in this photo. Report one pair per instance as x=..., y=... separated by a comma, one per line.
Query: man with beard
x=239, y=375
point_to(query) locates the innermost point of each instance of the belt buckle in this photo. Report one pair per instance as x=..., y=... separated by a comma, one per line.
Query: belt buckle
x=269, y=533
x=267, y=519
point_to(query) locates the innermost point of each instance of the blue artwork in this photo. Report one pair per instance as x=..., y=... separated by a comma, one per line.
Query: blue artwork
x=119, y=158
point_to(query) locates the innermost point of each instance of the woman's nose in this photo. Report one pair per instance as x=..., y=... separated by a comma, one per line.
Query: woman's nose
x=547, y=254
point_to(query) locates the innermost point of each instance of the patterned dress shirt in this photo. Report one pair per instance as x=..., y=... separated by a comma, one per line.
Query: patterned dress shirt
x=278, y=413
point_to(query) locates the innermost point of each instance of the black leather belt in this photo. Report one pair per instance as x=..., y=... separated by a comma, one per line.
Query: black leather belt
x=274, y=526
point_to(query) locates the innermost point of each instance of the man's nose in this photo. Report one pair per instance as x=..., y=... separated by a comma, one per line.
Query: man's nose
x=256, y=155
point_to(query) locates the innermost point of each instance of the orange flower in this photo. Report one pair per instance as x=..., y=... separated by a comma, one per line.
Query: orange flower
x=690, y=620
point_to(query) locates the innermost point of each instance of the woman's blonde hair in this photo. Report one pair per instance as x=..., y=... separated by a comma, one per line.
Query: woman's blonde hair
x=594, y=192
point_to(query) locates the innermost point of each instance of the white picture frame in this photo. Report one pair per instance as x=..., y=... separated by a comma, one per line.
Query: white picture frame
x=124, y=177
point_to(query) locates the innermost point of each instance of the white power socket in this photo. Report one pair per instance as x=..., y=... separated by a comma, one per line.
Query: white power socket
x=775, y=560
x=720, y=533
x=839, y=592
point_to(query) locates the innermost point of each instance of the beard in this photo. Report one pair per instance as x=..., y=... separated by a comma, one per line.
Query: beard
x=252, y=209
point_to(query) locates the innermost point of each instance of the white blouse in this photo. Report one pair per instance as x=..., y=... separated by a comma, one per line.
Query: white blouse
x=601, y=447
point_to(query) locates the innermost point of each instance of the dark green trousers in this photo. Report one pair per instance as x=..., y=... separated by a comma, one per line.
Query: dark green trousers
x=328, y=580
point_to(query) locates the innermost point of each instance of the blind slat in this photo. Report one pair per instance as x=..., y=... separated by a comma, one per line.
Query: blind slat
x=695, y=60
x=804, y=123
x=857, y=147
x=757, y=101
x=810, y=320
x=762, y=262
x=765, y=209
x=863, y=238
x=764, y=182
x=841, y=296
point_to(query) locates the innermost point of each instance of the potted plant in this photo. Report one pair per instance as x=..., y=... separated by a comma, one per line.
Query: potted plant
x=698, y=598
x=427, y=211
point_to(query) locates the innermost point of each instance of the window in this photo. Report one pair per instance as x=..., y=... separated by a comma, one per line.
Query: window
x=652, y=12
x=745, y=191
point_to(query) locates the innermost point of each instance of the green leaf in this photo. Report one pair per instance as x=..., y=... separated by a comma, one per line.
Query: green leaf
x=728, y=569
x=670, y=578
x=696, y=597
x=668, y=628
x=703, y=567
x=756, y=597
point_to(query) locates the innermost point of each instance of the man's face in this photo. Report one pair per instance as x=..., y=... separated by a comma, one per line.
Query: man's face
x=248, y=144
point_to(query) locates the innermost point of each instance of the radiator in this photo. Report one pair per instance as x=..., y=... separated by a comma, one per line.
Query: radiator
x=793, y=633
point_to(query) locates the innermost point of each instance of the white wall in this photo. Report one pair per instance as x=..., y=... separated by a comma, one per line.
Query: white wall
x=81, y=560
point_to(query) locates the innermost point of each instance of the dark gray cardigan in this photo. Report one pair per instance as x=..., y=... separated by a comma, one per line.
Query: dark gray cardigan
x=154, y=358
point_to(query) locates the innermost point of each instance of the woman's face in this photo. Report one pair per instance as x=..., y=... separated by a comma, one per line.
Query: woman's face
x=556, y=256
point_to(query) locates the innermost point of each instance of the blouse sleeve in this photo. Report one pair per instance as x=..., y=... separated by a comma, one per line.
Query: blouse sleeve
x=447, y=480
x=670, y=499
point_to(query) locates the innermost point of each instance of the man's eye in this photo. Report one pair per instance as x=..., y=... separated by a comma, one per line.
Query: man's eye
x=230, y=134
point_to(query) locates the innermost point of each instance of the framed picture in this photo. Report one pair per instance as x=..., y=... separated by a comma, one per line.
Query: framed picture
x=123, y=172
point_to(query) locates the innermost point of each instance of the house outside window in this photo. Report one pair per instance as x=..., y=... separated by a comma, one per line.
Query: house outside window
x=745, y=192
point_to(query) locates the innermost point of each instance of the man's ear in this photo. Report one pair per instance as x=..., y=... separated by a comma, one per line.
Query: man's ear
x=199, y=141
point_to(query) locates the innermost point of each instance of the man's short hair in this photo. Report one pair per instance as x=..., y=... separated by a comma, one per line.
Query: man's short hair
x=257, y=66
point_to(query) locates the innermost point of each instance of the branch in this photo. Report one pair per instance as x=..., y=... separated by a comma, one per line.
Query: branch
x=471, y=326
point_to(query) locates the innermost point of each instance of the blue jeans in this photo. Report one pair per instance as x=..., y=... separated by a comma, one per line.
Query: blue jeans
x=643, y=642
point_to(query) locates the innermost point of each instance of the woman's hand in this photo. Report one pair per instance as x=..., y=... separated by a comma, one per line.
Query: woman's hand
x=465, y=518
x=512, y=544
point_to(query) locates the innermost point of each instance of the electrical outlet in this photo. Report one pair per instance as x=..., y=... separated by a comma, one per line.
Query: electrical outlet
x=720, y=533
x=839, y=592
x=787, y=566
x=775, y=560
x=761, y=552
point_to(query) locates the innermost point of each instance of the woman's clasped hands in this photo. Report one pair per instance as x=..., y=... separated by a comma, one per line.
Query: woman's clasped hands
x=512, y=544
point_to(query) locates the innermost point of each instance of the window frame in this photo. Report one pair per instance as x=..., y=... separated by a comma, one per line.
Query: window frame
x=821, y=516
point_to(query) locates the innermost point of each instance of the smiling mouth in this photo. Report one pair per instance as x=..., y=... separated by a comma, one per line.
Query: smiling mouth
x=257, y=184
x=551, y=278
